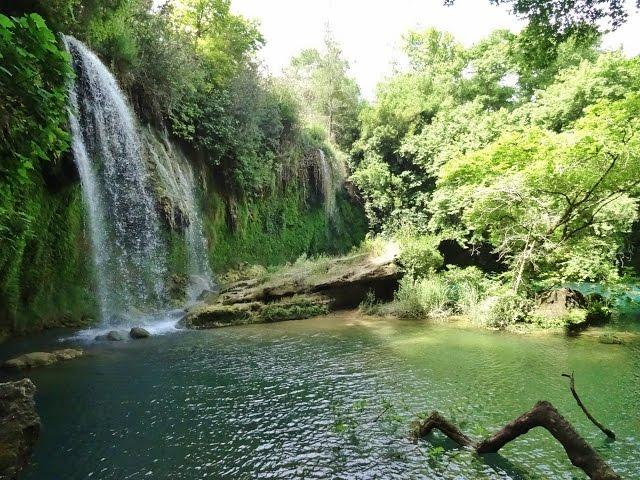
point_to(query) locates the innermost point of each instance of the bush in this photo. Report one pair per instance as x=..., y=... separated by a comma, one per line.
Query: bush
x=423, y=297
x=599, y=309
x=505, y=309
x=370, y=304
x=419, y=256
x=468, y=286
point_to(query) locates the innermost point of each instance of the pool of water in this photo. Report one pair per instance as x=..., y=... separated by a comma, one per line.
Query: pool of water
x=300, y=400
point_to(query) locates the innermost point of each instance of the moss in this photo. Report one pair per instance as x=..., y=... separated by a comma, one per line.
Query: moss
x=610, y=339
x=220, y=315
x=293, y=309
x=45, y=274
x=570, y=319
x=278, y=229
x=214, y=316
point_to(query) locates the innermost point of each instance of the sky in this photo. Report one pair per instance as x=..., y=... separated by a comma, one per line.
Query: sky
x=370, y=31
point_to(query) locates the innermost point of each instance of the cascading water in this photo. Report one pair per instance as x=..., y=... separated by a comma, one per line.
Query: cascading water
x=326, y=183
x=129, y=249
x=176, y=177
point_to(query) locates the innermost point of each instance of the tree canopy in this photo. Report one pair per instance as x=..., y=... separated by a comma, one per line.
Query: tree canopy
x=467, y=144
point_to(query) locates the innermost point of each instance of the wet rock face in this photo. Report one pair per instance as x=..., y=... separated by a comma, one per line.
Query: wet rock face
x=40, y=359
x=19, y=426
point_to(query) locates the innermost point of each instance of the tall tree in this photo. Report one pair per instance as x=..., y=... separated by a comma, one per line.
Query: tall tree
x=330, y=95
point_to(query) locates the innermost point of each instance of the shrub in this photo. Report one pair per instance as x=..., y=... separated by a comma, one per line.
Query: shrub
x=468, y=286
x=433, y=295
x=370, y=304
x=505, y=309
x=599, y=309
x=419, y=256
x=422, y=297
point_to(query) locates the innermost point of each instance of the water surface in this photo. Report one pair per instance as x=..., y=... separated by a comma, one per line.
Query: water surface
x=299, y=400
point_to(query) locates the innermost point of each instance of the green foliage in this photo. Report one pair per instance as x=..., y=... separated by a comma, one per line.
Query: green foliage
x=42, y=270
x=419, y=256
x=329, y=97
x=293, y=309
x=33, y=83
x=451, y=101
x=608, y=77
x=278, y=229
x=492, y=145
x=45, y=278
x=505, y=308
x=546, y=200
x=425, y=297
x=553, y=23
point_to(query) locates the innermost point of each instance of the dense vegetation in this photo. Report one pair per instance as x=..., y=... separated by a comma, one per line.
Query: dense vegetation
x=483, y=146
x=188, y=68
x=522, y=148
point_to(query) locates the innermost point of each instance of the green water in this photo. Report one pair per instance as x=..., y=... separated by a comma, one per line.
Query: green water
x=299, y=400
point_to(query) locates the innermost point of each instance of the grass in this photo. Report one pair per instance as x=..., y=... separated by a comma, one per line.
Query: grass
x=452, y=293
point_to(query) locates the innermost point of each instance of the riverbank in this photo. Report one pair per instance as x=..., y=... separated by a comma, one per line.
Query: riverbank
x=374, y=279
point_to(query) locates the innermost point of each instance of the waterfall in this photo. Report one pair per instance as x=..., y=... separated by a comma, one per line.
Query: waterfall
x=176, y=178
x=129, y=248
x=326, y=183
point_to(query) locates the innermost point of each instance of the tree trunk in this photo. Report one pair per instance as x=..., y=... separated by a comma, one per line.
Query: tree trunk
x=543, y=414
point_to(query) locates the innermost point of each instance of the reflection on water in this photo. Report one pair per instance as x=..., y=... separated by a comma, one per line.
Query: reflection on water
x=261, y=401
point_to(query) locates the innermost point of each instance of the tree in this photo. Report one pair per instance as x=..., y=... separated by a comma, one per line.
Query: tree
x=553, y=205
x=330, y=96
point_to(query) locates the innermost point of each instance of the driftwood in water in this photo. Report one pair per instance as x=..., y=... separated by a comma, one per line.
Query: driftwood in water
x=543, y=414
x=572, y=386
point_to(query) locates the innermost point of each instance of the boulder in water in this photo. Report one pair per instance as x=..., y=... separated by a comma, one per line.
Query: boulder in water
x=113, y=336
x=19, y=426
x=40, y=359
x=68, y=353
x=30, y=360
x=139, y=332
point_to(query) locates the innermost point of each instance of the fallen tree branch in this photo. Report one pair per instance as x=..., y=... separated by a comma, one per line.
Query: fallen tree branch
x=572, y=386
x=543, y=414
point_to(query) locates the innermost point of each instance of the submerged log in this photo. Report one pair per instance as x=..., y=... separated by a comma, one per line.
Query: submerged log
x=543, y=414
x=572, y=387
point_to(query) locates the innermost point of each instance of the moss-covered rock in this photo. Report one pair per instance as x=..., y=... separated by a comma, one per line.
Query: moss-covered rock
x=295, y=308
x=219, y=315
x=19, y=426
x=305, y=289
x=40, y=359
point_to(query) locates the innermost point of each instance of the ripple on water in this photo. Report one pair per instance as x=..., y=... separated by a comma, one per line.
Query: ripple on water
x=264, y=402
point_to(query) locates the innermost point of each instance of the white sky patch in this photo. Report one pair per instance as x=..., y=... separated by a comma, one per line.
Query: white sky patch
x=370, y=31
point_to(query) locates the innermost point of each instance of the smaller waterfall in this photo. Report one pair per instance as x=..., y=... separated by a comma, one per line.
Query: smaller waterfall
x=326, y=183
x=176, y=181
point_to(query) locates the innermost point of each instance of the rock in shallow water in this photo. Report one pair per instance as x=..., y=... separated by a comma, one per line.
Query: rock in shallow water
x=19, y=426
x=40, y=359
x=113, y=336
x=139, y=332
